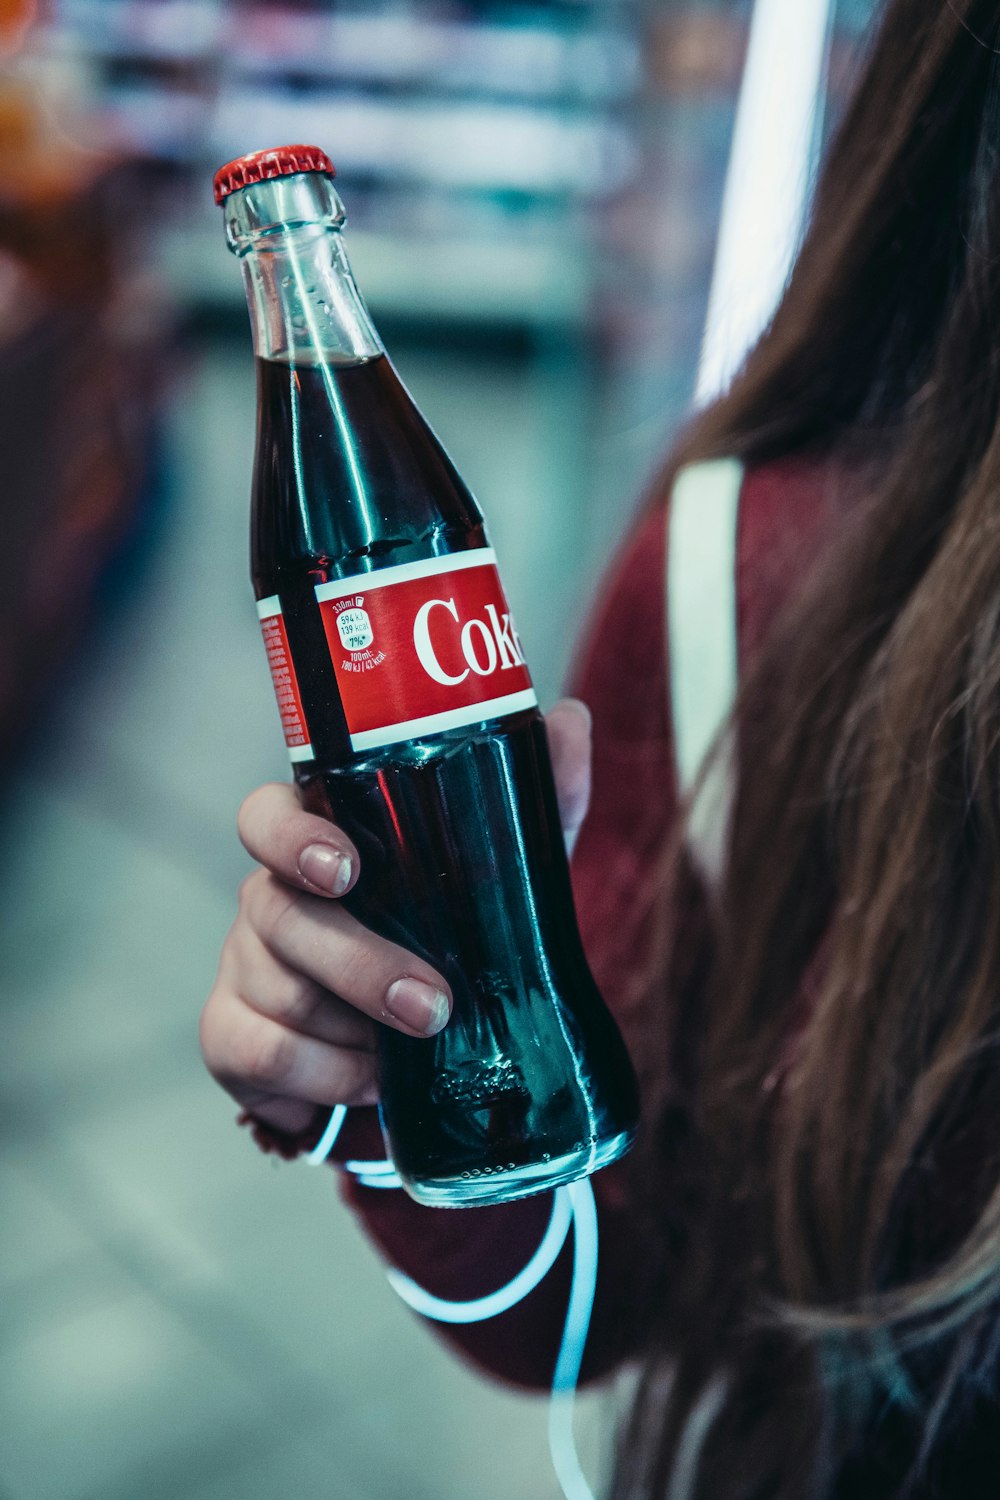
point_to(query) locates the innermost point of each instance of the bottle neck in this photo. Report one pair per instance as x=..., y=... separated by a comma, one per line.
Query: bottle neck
x=305, y=306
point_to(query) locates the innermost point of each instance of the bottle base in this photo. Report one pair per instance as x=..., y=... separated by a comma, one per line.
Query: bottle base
x=502, y=1186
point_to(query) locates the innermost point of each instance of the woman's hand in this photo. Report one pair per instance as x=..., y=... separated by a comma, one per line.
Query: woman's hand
x=291, y=1020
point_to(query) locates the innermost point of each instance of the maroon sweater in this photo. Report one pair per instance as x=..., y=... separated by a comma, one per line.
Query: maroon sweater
x=622, y=674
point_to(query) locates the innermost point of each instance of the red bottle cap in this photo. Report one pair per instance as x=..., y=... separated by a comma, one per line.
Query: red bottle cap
x=259, y=166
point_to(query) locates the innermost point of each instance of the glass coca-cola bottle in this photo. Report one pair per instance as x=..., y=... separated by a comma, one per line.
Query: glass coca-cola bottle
x=411, y=721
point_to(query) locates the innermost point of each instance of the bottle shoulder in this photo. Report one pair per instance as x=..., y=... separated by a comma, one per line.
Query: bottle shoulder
x=297, y=567
x=348, y=474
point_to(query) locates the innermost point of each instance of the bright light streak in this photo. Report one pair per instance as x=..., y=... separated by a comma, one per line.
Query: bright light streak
x=771, y=165
x=495, y=1303
x=562, y=1445
x=381, y=1168
x=328, y=1139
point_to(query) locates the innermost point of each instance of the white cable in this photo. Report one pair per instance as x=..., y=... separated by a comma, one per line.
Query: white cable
x=775, y=143
x=381, y=1168
x=562, y=1444
x=572, y=1207
x=328, y=1139
x=494, y=1303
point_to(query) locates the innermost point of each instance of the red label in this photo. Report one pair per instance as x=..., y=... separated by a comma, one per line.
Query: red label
x=286, y=685
x=424, y=647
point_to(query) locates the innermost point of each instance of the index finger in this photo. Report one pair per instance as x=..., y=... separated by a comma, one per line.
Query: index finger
x=300, y=848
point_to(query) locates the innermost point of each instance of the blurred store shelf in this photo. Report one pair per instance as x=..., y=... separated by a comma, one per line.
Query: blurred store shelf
x=421, y=279
x=467, y=145
x=470, y=144
x=82, y=351
x=545, y=54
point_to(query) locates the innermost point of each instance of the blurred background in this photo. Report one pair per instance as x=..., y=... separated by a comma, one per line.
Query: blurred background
x=533, y=193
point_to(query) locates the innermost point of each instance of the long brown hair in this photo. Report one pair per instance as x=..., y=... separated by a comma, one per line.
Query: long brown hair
x=824, y=1288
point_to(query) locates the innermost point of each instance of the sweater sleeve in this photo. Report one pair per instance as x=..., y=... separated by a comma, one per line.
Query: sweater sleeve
x=621, y=673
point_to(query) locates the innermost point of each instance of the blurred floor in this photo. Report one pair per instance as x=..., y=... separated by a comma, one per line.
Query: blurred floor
x=180, y=1318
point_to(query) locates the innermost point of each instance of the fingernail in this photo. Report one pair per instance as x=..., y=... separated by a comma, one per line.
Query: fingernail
x=419, y=1006
x=325, y=868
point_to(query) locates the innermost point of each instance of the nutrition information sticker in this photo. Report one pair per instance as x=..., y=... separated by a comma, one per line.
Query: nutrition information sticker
x=286, y=684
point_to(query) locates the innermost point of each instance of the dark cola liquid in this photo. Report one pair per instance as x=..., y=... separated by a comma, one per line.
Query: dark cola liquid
x=462, y=853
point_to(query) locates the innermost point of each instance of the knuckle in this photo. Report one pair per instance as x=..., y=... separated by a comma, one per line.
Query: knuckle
x=271, y=908
x=294, y=999
x=239, y=959
x=265, y=1055
x=246, y=890
x=214, y=1037
x=206, y=1033
x=359, y=973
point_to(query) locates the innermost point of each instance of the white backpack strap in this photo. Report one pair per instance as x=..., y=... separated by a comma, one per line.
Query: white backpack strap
x=702, y=644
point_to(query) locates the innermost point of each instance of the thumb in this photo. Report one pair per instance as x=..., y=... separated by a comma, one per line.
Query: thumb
x=569, y=730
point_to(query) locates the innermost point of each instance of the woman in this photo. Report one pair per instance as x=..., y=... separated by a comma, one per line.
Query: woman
x=804, y=1253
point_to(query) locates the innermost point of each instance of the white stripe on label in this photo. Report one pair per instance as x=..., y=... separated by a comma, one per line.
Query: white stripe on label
x=455, y=562
x=299, y=752
x=451, y=718
x=268, y=607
